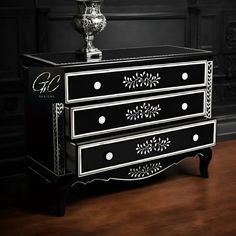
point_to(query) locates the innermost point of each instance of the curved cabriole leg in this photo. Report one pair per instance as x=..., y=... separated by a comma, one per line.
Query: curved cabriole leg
x=205, y=158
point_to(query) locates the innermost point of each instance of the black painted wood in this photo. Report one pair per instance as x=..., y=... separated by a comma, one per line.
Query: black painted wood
x=102, y=117
x=205, y=158
x=45, y=86
x=135, y=149
x=125, y=55
x=202, y=24
x=122, y=81
x=127, y=155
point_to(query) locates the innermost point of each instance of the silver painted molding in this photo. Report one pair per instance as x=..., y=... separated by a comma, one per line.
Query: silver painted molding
x=58, y=138
x=209, y=89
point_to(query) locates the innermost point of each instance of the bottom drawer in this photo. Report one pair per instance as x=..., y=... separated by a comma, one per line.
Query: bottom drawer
x=95, y=157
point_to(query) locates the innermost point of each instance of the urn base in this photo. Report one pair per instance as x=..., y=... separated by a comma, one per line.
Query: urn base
x=89, y=54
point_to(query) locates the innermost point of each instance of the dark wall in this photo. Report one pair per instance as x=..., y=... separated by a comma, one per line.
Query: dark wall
x=130, y=23
x=45, y=25
x=17, y=27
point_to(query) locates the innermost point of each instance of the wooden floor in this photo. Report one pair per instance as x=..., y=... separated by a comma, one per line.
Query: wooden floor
x=177, y=202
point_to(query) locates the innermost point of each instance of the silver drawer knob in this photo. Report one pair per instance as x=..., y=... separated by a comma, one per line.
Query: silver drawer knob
x=97, y=85
x=195, y=137
x=185, y=76
x=101, y=120
x=184, y=106
x=109, y=156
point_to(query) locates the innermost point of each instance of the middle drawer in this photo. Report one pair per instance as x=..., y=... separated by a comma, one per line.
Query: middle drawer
x=83, y=121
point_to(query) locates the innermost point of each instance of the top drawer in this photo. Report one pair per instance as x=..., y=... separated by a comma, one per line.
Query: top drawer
x=126, y=81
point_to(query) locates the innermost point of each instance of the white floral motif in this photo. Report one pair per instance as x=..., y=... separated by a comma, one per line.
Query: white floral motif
x=146, y=170
x=143, y=111
x=153, y=145
x=143, y=79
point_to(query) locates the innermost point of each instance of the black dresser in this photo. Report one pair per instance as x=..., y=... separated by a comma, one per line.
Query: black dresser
x=130, y=116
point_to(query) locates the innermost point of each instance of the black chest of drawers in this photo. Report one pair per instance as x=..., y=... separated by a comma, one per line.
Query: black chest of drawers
x=130, y=116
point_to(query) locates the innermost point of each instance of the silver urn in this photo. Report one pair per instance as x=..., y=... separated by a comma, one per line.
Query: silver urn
x=89, y=21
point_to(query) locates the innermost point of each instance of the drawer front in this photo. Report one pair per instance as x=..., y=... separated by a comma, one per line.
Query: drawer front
x=111, y=154
x=108, y=83
x=109, y=117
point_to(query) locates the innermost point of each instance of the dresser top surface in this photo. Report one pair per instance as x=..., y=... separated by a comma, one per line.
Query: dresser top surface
x=119, y=55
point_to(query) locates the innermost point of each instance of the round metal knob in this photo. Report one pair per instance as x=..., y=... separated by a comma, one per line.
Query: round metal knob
x=109, y=156
x=101, y=120
x=185, y=76
x=195, y=137
x=97, y=85
x=184, y=106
